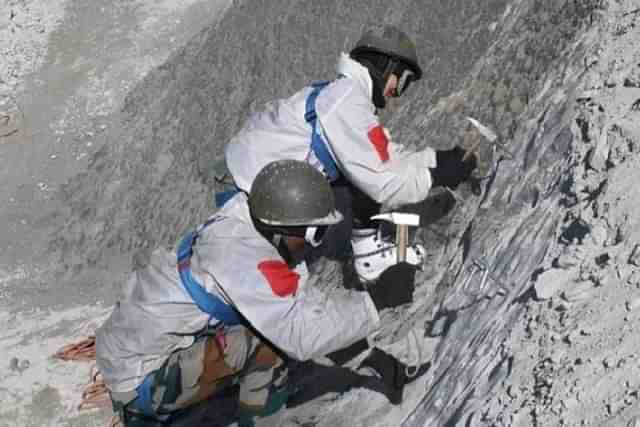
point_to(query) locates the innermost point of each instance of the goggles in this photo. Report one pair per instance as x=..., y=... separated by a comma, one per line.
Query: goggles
x=404, y=80
x=404, y=74
x=314, y=235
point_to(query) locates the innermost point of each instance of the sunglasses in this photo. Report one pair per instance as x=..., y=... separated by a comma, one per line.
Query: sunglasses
x=404, y=74
x=404, y=81
x=314, y=235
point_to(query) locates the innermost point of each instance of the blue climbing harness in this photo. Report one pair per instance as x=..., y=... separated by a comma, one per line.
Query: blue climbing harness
x=318, y=145
x=209, y=303
x=222, y=197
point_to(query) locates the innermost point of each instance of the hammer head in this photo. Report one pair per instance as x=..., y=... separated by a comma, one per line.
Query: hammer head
x=399, y=218
x=484, y=131
x=402, y=222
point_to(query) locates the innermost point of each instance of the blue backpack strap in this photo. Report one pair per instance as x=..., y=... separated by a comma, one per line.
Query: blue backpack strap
x=317, y=143
x=207, y=302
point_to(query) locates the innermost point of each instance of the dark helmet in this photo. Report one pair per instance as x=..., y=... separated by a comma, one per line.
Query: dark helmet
x=384, y=49
x=290, y=193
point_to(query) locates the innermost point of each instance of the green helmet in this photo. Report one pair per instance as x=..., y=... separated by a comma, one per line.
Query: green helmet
x=389, y=40
x=290, y=193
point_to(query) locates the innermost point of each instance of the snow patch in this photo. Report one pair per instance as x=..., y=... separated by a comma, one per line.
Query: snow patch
x=25, y=26
x=28, y=373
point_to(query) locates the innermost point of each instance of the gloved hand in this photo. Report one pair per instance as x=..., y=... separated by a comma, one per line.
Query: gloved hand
x=451, y=170
x=391, y=374
x=342, y=356
x=394, y=287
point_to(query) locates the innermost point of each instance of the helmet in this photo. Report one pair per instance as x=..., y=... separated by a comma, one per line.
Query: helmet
x=384, y=50
x=291, y=193
x=390, y=41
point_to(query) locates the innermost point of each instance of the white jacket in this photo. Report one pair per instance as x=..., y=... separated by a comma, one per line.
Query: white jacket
x=233, y=261
x=385, y=171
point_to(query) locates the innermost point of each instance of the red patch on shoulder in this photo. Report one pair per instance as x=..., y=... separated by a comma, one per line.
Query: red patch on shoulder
x=380, y=142
x=281, y=278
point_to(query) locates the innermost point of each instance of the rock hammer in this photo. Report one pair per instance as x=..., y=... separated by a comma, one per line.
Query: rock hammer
x=402, y=222
x=490, y=135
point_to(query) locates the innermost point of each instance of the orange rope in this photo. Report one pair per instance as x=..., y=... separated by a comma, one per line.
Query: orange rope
x=81, y=350
x=95, y=394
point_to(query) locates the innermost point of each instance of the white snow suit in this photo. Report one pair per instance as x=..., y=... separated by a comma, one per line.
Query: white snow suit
x=354, y=137
x=232, y=261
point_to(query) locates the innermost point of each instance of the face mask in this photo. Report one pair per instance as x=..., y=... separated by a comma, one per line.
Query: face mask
x=314, y=235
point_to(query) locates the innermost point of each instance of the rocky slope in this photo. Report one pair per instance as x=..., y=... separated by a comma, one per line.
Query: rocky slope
x=528, y=301
x=575, y=350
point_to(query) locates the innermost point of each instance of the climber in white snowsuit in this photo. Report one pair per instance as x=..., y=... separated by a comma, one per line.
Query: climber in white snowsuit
x=334, y=127
x=233, y=303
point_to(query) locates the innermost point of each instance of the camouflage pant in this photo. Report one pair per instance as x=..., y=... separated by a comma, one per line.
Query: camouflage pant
x=212, y=363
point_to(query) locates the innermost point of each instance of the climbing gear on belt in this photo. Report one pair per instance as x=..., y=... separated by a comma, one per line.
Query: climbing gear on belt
x=481, y=265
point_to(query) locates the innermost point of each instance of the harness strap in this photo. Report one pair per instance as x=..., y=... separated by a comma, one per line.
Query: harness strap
x=222, y=197
x=143, y=402
x=207, y=302
x=318, y=145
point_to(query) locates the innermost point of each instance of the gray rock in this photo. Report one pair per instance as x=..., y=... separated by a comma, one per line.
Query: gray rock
x=630, y=131
x=634, y=258
x=571, y=256
x=14, y=364
x=598, y=155
x=632, y=304
x=551, y=282
x=578, y=291
x=599, y=234
x=18, y=365
x=634, y=277
x=511, y=392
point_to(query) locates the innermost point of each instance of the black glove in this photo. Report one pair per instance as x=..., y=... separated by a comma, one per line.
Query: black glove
x=394, y=287
x=391, y=374
x=342, y=356
x=451, y=170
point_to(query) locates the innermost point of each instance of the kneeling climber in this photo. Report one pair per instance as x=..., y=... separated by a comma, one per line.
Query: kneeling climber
x=233, y=306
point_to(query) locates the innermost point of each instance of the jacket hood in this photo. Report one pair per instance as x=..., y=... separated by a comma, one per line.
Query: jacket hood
x=355, y=71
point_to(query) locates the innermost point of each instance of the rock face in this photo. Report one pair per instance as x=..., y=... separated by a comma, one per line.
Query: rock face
x=574, y=353
x=558, y=208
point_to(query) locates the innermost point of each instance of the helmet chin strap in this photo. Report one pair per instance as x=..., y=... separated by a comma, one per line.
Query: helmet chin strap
x=310, y=237
x=276, y=239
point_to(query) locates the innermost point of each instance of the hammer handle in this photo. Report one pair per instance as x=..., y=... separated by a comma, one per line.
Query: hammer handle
x=402, y=239
x=471, y=151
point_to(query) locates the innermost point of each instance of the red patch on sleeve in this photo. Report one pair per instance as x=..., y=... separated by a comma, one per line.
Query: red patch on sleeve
x=380, y=142
x=281, y=278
